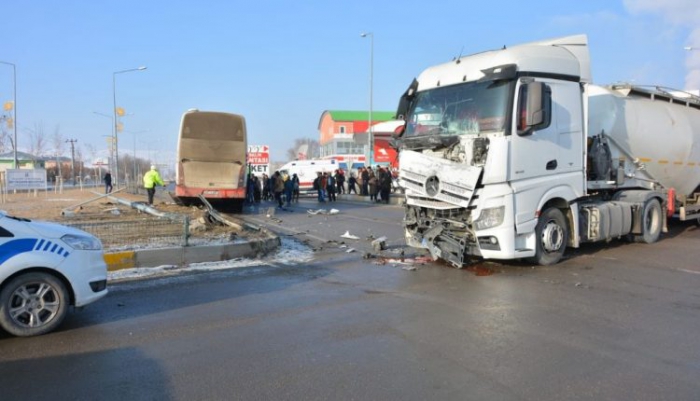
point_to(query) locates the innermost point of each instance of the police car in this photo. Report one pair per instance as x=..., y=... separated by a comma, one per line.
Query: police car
x=45, y=268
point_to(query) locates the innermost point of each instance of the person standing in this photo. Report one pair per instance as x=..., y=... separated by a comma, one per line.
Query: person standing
x=317, y=186
x=295, y=193
x=150, y=180
x=330, y=186
x=351, y=184
x=365, y=181
x=288, y=189
x=108, y=182
x=278, y=188
x=250, y=190
x=385, y=186
x=339, y=181
x=372, y=186
x=324, y=185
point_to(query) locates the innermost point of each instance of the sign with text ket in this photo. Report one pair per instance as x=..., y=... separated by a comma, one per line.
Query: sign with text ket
x=259, y=159
x=259, y=169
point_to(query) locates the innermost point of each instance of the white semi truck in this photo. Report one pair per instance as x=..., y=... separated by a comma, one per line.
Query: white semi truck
x=513, y=153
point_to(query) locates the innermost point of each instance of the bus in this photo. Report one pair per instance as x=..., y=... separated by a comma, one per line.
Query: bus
x=211, y=159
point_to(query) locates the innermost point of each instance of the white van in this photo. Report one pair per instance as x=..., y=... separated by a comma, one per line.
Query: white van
x=306, y=171
x=44, y=268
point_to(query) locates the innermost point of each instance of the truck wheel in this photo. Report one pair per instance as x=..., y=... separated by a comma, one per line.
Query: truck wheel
x=33, y=304
x=552, y=236
x=651, y=222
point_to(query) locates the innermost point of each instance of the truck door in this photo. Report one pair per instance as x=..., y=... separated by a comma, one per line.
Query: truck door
x=551, y=154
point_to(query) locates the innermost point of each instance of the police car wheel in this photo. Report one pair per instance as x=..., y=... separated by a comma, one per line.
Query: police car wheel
x=33, y=304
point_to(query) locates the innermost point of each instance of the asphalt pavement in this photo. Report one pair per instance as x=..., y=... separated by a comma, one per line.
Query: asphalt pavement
x=613, y=321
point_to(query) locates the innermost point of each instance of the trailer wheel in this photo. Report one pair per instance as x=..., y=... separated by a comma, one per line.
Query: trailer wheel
x=651, y=222
x=552, y=236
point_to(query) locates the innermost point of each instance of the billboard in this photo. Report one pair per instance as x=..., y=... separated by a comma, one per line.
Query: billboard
x=259, y=159
x=26, y=179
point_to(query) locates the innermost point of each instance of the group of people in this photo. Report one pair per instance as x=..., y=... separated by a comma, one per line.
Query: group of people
x=284, y=189
x=279, y=187
x=328, y=185
x=375, y=183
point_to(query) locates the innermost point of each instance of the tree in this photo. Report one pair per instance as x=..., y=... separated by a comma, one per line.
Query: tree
x=58, y=143
x=37, y=141
x=304, y=148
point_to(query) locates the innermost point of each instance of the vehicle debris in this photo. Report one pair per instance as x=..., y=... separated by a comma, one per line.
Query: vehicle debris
x=349, y=236
x=379, y=244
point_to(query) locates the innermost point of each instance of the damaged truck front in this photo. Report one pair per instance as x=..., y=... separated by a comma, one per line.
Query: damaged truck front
x=498, y=160
x=453, y=163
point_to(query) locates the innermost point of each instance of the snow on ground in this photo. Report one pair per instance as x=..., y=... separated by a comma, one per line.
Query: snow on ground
x=290, y=253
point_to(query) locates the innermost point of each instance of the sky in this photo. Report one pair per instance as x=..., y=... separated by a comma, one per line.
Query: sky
x=282, y=63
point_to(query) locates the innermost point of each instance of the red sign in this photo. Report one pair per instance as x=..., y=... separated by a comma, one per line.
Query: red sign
x=258, y=154
x=383, y=153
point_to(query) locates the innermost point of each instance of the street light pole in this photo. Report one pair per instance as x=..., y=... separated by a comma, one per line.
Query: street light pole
x=116, y=140
x=370, y=137
x=14, y=109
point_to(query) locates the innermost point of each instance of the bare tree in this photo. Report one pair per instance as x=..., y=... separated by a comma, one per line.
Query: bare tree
x=37, y=141
x=304, y=148
x=97, y=171
x=58, y=146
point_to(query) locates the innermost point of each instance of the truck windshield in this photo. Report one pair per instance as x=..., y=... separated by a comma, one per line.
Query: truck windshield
x=465, y=109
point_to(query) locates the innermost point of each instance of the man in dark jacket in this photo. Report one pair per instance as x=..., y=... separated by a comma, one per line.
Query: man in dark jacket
x=108, y=182
x=330, y=187
x=385, y=185
x=365, y=182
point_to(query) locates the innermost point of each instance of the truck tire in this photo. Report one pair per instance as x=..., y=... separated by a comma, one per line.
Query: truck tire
x=33, y=304
x=552, y=235
x=651, y=222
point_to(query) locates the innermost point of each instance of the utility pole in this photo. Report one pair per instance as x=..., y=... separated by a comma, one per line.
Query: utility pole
x=72, y=157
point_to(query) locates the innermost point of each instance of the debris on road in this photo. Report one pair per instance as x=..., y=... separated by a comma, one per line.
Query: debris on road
x=350, y=250
x=349, y=236
x=334, y=211
x=379, y=244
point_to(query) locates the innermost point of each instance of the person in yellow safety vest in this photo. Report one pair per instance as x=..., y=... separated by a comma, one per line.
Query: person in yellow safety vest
x=150, y=180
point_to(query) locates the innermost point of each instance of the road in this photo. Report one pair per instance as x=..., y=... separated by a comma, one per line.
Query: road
x=612, y=321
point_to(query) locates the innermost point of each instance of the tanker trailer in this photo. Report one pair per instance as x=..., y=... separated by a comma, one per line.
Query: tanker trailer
x=646, y=138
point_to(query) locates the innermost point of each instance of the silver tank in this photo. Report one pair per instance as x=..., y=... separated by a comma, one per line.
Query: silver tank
x=663, y=133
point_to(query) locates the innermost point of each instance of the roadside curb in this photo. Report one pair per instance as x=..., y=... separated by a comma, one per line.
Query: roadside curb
x=185, y=255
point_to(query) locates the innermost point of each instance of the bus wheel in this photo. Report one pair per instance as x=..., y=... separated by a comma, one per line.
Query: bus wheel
x=651, y=222
x=552, y=234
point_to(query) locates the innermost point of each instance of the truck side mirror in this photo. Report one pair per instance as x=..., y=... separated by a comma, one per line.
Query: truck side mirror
x=534, y=109
x=406, y=99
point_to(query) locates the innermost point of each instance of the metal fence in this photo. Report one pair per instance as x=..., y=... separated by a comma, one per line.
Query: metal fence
x=137, y=234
